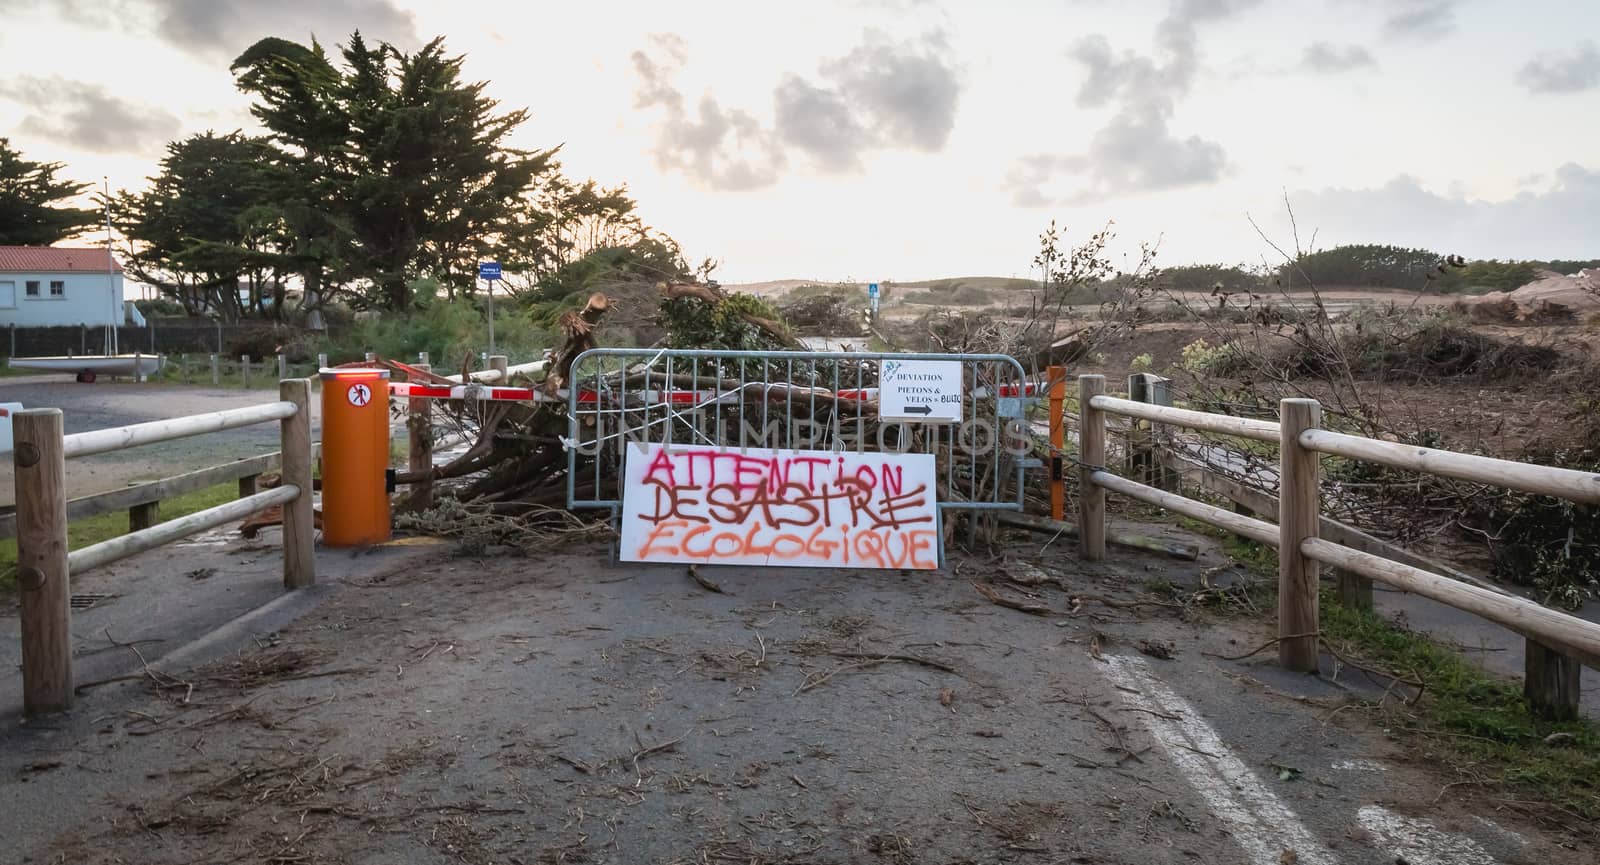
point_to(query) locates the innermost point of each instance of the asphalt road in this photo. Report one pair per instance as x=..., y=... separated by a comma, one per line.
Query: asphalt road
x=111, y=404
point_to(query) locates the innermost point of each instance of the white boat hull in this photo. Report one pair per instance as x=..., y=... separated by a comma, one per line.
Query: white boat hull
x=117, y=364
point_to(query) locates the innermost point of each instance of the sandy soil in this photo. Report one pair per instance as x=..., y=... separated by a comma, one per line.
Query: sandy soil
x=559, y=710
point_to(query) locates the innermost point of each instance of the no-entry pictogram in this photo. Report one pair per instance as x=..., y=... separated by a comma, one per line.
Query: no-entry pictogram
x=359, y=394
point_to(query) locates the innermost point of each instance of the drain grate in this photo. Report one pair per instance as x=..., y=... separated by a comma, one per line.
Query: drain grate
x=85, y=601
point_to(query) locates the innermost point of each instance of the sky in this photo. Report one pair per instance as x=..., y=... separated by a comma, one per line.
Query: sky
x=907, y=139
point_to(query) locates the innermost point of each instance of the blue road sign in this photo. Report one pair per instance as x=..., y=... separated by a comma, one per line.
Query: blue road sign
x=872, y=289
x=488, y=270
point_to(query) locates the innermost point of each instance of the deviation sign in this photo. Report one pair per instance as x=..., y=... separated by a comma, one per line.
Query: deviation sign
x=920, y=390
x=759, y=506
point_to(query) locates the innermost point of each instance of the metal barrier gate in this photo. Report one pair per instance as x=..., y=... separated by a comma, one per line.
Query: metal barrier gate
x=790, y=400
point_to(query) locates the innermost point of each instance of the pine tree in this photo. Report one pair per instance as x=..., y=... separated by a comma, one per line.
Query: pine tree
x=28, y=191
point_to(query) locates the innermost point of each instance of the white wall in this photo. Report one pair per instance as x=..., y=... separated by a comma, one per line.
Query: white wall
x=83, y=301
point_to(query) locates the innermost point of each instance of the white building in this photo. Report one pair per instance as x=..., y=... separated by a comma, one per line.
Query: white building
x=48, y=286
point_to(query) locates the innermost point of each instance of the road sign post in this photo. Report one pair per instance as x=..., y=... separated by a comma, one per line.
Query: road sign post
x=489, y=272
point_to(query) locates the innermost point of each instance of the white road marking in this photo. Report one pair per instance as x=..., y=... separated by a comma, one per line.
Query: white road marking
x=1418, y=842
x=1257, y=819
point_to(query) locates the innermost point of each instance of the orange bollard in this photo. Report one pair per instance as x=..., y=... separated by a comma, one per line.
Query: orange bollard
x=1057, y=377
x=355, y=457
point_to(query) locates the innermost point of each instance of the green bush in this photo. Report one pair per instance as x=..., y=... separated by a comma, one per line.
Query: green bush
x=446, y=330
x=160, y=307
x=1491, y=275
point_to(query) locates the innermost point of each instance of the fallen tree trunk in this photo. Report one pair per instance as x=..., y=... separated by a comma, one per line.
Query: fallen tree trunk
x=1047, y=526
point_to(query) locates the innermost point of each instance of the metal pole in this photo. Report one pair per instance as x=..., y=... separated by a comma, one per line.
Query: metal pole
x=111, y=276
x=491, y=315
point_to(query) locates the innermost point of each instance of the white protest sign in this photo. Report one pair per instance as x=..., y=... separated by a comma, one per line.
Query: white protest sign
x=920, y=390
x=759, y=506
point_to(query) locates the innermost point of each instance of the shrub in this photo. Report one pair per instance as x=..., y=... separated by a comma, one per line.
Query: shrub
x=160, y=307
x=1202, y=358
x=446, y=330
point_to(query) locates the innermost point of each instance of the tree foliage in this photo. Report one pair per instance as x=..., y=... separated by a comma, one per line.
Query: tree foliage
x=200, y=234
x=29, y=194
x=383, y=178
x=411, y=161
x=1380, y=266
x=1365, y=265
x=1205, y=277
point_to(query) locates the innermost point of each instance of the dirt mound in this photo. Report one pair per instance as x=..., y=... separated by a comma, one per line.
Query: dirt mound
x=1580, y=292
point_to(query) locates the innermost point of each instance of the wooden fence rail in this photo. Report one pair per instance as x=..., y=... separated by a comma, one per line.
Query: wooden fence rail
x=44, y=566
x=1557, y=643
x=155, y=492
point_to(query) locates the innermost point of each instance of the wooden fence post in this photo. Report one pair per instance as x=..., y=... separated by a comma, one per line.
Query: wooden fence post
x=244, y=369
x=138, y=362
x=183, y=367
x=1355, y=591
x=498, y=361
x=41, y=479
x=283, y=366
x=216, y=371
x=1057, y=376
x=322, y=362
x=144, y=516
x=299, y=531
x=419, y=426
x=422, y=360
x=1299, y=517
x=248, y=485
x=1551, y=682
x=1091, y=458
x=1141, y=457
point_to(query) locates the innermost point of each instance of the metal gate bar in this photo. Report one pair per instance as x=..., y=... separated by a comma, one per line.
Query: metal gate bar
x=621, y=390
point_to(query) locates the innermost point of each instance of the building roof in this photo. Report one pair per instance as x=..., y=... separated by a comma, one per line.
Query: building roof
x=54, y=259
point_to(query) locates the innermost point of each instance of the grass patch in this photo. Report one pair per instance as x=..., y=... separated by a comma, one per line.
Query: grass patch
x=93, y=530
x=1472, y=721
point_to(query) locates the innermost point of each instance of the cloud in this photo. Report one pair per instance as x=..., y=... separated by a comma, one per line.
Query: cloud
x=1419, y=19
x=724, y=149
x=882, y=95
x=226, y=27
x=87, y=117
x=1326, y=58
x=1564, y=74
x=1555, y=222
x=906, y=92
x=819, y=122
x=1136, y=151
x=221, y=29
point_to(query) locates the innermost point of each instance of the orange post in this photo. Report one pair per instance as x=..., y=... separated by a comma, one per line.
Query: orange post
x=1057, y=376
x=355, y=457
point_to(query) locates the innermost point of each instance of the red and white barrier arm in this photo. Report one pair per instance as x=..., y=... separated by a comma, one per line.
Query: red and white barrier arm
x=469, y=391
x=651, y=397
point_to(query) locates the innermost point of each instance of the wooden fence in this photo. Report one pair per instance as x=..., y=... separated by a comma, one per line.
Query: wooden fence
x=215, y=369
x=1558, y=645
x=44, y=564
